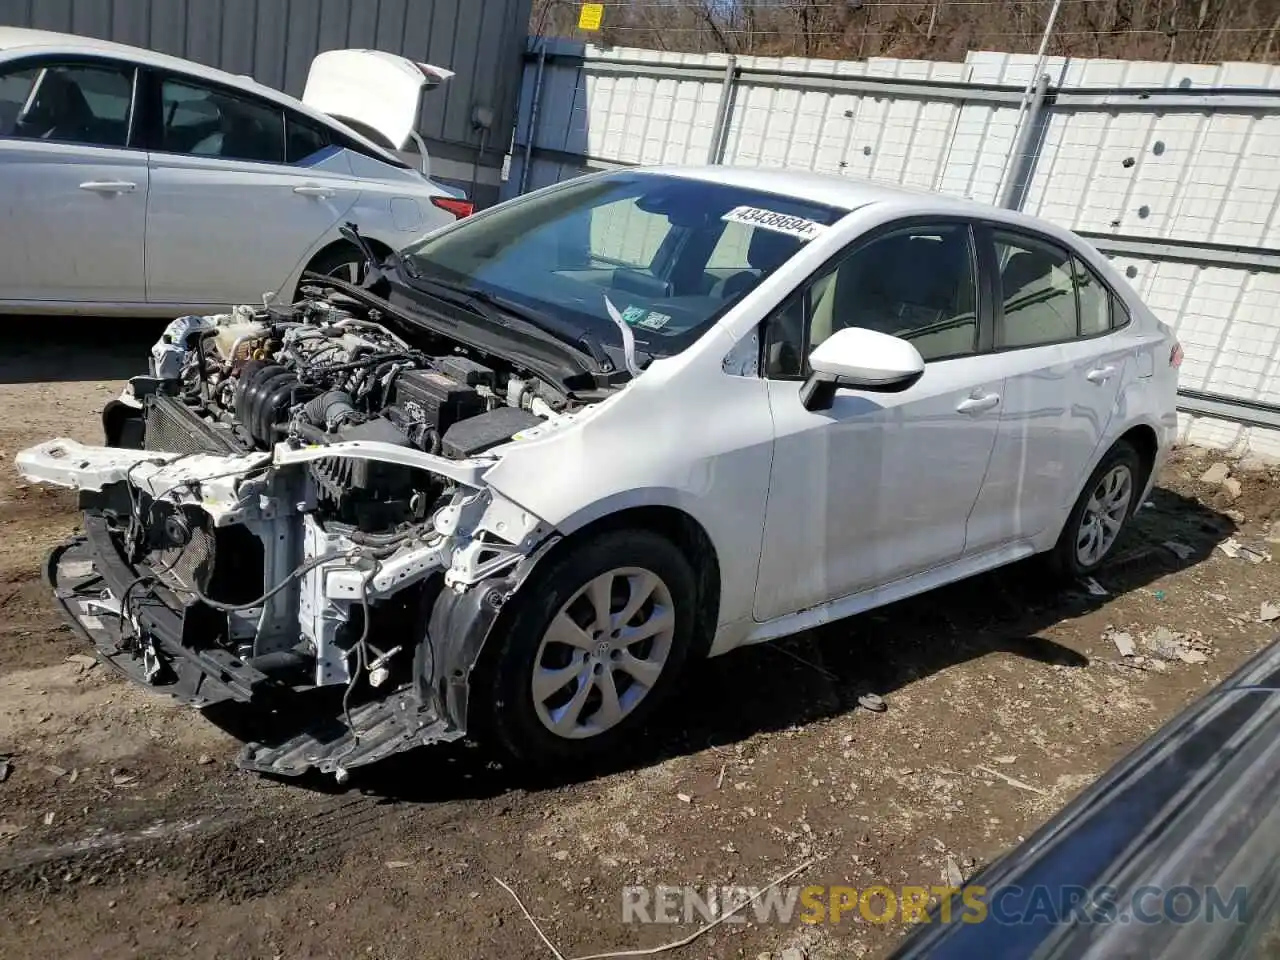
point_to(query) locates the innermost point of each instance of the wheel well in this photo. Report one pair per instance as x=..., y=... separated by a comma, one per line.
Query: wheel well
x=688, y=535
x=378, y=247
x=1143, y=439
x=677, y=526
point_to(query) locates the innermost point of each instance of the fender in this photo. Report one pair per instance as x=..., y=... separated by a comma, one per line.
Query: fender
x=458, y=629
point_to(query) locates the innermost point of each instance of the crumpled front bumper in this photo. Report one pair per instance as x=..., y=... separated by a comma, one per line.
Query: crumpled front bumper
x=93, y=583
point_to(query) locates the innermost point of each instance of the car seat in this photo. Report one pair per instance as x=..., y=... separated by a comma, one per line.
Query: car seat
x=60, y=111
x=1035, y=309
x=766, y=251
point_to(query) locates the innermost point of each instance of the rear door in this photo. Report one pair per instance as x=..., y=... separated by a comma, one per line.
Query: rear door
x=242, y=189
x=1061, y=345
x=73, y=183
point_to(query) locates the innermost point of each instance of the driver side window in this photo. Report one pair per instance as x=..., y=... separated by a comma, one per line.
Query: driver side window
x=917, y=283
x=67, y=103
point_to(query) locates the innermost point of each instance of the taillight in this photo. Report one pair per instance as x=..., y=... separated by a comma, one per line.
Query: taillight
x=459, y=208
x=1175, y=355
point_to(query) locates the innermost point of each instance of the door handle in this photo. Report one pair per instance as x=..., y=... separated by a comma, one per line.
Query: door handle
x=109, y=186
x=314, y=190
x=1100, y=374
x=979, y=403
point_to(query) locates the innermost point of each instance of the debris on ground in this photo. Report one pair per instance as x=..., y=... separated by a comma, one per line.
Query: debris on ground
x=1216, y=473
x=951, y=873
x=1170, y=645
x=1094, y=587
x=1179, y=550
x=1123, y=641
x=1012, y=781
x=872, y=702
x=85, y=661
x=1268, y=611
x=1234, y=549
x=6, y=768
x=684, y=798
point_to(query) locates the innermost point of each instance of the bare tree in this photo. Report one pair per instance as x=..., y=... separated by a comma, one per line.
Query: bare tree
x=1195, y=30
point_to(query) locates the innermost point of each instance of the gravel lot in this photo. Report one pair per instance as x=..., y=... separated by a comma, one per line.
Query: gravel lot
x=126, y=831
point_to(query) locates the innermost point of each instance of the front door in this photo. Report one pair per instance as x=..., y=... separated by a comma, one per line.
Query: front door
x=879, y=486
x=73, y=193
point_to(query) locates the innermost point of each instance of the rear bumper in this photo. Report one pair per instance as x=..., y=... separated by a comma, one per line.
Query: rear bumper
x=140, y=634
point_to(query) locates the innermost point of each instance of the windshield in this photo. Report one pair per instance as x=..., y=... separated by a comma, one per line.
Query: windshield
x=672, y=254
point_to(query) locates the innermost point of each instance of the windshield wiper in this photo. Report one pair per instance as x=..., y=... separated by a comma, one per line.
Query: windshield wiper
x=501, y=311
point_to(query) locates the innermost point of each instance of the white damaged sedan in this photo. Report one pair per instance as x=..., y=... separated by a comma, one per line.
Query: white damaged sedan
x=541, y=460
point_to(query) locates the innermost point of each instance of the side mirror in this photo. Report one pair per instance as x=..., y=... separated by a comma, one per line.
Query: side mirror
x=862, y=360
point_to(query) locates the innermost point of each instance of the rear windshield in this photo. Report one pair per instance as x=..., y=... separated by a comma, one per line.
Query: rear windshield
x=672, y=254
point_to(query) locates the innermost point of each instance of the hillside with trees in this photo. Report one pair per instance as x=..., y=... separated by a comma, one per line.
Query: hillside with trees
x=1170, y=30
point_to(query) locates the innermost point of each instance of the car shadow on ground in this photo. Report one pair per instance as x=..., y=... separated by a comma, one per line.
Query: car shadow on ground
x=822, y=673
x=67, y=349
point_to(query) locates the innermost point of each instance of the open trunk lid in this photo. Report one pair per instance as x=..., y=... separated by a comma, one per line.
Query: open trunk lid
x=372, y=91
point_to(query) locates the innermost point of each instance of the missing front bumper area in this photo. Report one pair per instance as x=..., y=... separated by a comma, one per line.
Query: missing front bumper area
x=148, y=643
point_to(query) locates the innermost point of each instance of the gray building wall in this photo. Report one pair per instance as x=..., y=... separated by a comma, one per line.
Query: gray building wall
x=274, y=41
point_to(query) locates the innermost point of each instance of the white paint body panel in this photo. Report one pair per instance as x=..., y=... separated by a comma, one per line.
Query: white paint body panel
x=196, y=234
x=61, y=240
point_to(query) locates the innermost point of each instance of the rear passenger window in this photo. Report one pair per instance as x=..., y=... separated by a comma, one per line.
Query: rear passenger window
x=1037, y=291
x=1095, y=301
x=303, y=138
x=206, y=122
x=67, y=103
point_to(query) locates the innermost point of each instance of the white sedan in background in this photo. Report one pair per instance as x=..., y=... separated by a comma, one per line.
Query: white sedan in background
x=142, y=184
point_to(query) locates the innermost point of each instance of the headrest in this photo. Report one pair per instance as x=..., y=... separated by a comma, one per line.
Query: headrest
x=768, y=249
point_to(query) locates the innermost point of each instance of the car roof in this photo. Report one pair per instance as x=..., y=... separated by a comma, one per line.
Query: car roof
x=48, y=41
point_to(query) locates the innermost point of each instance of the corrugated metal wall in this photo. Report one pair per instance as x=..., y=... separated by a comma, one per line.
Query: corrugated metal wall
x=1166, y=180
x=275, y=40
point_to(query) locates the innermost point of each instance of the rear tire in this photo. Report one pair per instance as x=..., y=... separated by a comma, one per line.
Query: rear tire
x=342, y=261
x=592, y=647
x=1101, y=514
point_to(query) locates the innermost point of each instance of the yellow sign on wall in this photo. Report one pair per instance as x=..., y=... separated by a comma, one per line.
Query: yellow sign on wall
x=590, y=15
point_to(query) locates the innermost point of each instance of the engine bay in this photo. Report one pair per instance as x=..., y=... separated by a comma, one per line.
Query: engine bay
x=326, y=371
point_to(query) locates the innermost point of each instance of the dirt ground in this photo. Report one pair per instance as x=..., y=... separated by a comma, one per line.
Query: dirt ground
x=125, y=830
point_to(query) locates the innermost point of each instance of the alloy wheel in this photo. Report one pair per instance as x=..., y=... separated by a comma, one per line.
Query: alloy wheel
x=352, y=271
x=1104, y=515
x=603, y=652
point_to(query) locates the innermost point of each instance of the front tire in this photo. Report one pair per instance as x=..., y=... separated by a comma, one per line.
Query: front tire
x=591, y=648
x=1100, y=515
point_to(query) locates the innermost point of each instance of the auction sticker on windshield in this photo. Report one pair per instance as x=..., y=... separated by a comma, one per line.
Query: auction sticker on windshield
x=798, y=227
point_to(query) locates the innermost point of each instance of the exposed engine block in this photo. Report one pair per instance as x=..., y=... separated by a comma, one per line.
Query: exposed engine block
x=325, y=371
